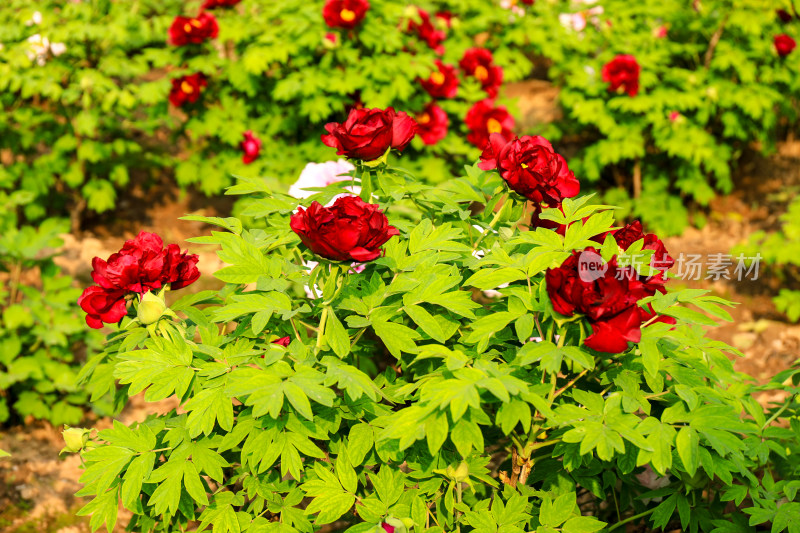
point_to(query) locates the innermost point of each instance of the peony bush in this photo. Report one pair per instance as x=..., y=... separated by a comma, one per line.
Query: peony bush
x=352, y=374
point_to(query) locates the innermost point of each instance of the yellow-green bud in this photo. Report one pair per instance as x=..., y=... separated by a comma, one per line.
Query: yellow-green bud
x=461, y=473
x=75, y=439
x=151, y=308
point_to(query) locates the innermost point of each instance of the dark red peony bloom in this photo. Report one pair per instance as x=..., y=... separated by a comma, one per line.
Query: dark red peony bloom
x=187, y=89
x=426, y=30
x=660, y=260
x=478, y=62
x=345, y=14
x=368, y=133
x=180, y=268
x=527, y=2
x=349, y=230
x=784, y=15
x=211, y=4
x=605, y=294
x=531, y=167
x=784, y=44
x=388, y=528
x=102, y=305
x=251, y=146
x=283, y=341
x=484, y=119
x=432, y=124
x=193, y=30
x=622, y=72
x=142, y=265
x=443, y=82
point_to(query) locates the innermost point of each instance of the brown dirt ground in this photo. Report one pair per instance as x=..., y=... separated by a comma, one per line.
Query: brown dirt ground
x=37, y=486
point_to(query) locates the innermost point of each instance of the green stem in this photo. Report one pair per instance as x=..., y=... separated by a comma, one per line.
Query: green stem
x=321, y=330
x=494, y=220
x=778, y=413
x=631, y=519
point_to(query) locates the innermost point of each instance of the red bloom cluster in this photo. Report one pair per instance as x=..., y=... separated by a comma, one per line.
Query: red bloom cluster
x=251, y=147
x=142, y=265
x=622, y=72
x=479, y=63
x=349, y=230
x=443, y=82
x=432, y=124
x=211, y=4
x=784, y=44
x=426, y=30
x=608, y=294
x=484, y=119
x=187, y=89
x=345, y=14
x=367, y=134
x=531, y=167
x=193, y=30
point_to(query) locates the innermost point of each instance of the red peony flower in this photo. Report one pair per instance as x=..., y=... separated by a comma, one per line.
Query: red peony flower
x=622, y=72
x=527, y=2
x=388, y=528
x=443, y=82
x=211, y=4
x=784, y=15
x=349, y=230
x=251, y=146
x=660, y=260
x=102, y=305
x=484, y=119
x=140, y=266
x=605, y=294
x=531, y=167
x=283, y=341
x=187, y=89
x=784, y=44
x=478, y=62
x=368, y=133
x=193, y=30
x=426, y=31
x=432, y=123
x=345, y=14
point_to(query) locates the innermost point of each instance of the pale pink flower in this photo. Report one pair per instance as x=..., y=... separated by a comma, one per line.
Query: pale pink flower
x=322, y=175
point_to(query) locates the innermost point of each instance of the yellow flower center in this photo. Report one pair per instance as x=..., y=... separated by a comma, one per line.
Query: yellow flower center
x=481, y=73
x=186, y=87
x=196, y=23
x=523, y=165
x=494, y=126
x=187, y=27
x=347, y=15
x=424, y=118
x=437, y=78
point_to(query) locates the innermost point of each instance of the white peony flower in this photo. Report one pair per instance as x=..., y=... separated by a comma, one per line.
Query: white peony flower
x=36, y=18
x=322, y=175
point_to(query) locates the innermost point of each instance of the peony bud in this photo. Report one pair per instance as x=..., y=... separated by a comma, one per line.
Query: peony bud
x=75, y=439
x=394, y=525
x=151, y=308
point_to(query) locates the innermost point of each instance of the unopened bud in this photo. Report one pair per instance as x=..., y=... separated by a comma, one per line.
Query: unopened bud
x=74, y=439
x=151, y=308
